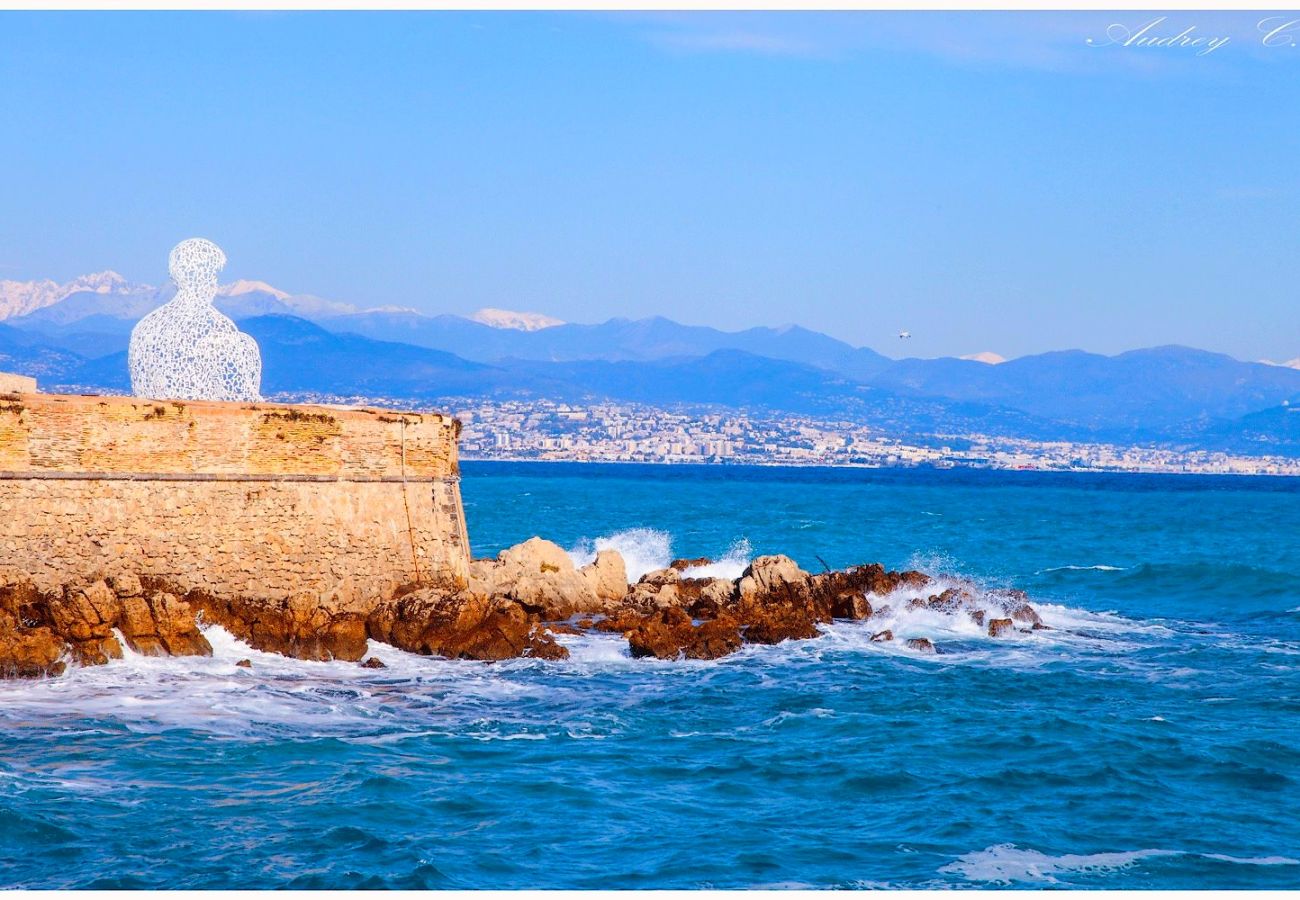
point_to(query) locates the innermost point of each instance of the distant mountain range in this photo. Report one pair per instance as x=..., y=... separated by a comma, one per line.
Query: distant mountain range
x=76, y=334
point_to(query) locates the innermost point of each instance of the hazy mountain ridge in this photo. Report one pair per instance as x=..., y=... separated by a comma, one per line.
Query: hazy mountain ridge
x=1170, y=394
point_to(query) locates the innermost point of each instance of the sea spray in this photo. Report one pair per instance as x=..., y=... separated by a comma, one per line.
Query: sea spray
x=643, y=550
x=648, y=549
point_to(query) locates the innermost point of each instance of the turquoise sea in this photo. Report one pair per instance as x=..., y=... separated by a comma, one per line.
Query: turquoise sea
x=1150, y=740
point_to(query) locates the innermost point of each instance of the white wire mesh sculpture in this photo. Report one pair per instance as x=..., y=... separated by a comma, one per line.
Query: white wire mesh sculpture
x=186, y=349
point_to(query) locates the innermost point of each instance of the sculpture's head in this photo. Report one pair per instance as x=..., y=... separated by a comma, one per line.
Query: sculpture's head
x=195, y=263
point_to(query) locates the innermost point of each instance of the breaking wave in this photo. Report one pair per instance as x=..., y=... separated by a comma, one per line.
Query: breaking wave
x=647, y=549
x=643, y=550
x=731, y=564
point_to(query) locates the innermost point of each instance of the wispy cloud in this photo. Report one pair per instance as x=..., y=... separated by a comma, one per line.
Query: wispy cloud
x=1049, y=41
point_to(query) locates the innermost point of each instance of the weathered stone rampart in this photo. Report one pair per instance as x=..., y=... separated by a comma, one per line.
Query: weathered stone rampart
x=262, y=500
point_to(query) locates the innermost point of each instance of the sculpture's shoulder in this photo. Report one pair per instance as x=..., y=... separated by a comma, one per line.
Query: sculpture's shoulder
x=150, y=321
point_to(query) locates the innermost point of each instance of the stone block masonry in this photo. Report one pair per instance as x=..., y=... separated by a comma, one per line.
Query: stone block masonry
x=234, y=499
x=10, y=382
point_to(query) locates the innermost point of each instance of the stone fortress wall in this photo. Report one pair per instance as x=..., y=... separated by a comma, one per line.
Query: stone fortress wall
x=236, y=499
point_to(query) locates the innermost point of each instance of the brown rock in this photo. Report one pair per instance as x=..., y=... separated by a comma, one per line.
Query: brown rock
x=462, y=625
x=852, y=606
x=717, y=591
x=999, y=627
x=921, y=645
x=540, y=576
x=542, y=645
x=775, y=624
x=951, y=600
x=75, y=616
x=706, y=598
x=374, y=662
x=768, y=572
x=102, y=599
x=176, y=627
x=661, y=589
x=536, y=555
x=244, y=664
x=298, y=626
x=1026, y=613
x=619, y=622
x=96, y=651
x=80, y=620
x=136, y=620
x=672, y=635
x=607, y=575
x=681, y=565
x=977, y=616
x=776, y=600
x=660, y=577
x=881, y=636
x=29, y=652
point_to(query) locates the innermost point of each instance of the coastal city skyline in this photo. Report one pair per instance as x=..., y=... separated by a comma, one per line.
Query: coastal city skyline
x=1004, y=183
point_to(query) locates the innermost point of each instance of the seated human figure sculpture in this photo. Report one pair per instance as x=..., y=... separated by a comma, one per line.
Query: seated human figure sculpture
x=186, y=349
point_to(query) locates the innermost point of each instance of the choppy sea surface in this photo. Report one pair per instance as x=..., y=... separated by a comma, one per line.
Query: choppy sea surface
x=1150, y=740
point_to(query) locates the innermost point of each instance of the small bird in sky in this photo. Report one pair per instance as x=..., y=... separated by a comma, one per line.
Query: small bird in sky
x=904, y=335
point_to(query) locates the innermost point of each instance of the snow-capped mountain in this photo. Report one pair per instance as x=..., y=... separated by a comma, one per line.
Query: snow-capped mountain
x=986, y=356
x=245, y=286
x=18, y=298
x=107, y=295
x=514, y=321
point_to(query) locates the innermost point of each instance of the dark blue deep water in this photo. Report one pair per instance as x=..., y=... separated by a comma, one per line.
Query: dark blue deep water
x=1150, y=740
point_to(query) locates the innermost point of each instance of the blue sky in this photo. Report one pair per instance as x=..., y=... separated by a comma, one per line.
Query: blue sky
x=987, y=181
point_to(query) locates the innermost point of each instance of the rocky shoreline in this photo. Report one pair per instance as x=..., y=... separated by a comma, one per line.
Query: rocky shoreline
x=512, y=606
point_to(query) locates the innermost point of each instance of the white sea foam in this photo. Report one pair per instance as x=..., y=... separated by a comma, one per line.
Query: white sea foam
x=1097, y=568
x=732, y=564
x=419, y=694
x=961, y=639
x=1007, y=863
x=212, y=694
x=643, y=550
x=647, y=549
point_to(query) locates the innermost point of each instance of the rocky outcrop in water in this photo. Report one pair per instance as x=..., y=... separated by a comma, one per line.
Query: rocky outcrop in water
x=463, y=625
x=303, y=626
x=512, y=606
x=672, y=634
x=40, y=632
x=540, y=577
